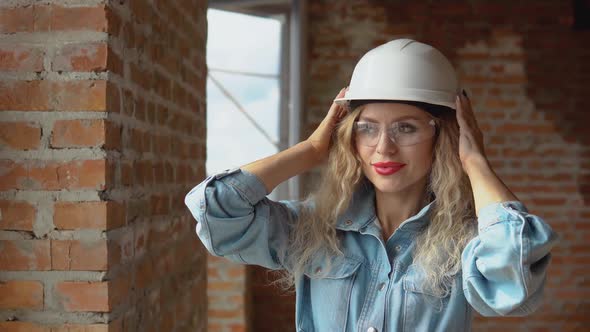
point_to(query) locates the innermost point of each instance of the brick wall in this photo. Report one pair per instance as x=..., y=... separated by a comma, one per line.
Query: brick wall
x=102, y=113
x=528, y=74
x=226, y=291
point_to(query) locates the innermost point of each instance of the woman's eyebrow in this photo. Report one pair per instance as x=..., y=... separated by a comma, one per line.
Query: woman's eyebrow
x=366, y=118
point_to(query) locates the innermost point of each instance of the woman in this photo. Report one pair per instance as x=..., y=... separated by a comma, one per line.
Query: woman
x=410, y=229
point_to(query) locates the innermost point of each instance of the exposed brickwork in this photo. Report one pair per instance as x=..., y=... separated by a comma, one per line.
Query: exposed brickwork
x=227, y=295
x=102, y=118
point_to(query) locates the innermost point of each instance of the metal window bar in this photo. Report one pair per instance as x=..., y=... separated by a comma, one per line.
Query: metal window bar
x=237, y=103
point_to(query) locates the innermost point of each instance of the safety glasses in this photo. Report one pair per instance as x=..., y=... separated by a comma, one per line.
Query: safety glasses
x=403, y=133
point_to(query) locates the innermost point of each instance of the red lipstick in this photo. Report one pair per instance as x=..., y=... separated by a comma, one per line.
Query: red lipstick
x=387, y=167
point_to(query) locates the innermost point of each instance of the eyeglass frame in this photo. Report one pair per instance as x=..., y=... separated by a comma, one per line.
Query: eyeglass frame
x=433, y=122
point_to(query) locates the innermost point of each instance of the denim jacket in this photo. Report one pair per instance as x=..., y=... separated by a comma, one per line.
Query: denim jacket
x=374, y=287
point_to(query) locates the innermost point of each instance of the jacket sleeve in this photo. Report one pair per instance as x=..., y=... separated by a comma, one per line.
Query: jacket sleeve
x=504, y=266
x=235, y=219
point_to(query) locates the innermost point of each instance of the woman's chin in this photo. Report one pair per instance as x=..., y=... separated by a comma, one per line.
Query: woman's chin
x=387, y=186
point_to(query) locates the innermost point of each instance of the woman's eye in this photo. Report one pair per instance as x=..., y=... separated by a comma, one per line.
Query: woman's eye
x=406, y=128
x=366, y=128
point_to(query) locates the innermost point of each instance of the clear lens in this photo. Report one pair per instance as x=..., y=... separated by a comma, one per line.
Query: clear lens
x=403, y=133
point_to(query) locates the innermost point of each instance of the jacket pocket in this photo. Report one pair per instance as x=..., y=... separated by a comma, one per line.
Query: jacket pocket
x=330, y=291
x=423, y=308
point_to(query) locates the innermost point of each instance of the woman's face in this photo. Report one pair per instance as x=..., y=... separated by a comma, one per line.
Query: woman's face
x=417, y=158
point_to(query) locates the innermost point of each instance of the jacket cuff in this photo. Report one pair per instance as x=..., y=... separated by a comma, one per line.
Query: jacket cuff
x=246, y=183
x=502, y=211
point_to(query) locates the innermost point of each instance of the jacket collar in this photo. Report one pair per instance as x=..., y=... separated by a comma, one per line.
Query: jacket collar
x=361, y=212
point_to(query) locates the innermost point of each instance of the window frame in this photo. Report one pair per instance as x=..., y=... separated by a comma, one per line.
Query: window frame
x=291, y=14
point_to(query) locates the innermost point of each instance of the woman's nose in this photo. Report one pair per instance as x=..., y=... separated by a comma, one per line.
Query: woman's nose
x=385, y=144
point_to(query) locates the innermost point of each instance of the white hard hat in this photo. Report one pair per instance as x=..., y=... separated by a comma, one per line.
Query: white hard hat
x=403, y=69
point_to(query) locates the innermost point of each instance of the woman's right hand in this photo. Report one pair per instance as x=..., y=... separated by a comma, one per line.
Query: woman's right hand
x=321, y=138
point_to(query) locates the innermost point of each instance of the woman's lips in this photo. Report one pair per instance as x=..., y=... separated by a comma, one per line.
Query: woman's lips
x=387, y=168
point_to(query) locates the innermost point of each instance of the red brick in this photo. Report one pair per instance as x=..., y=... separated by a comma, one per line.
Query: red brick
x=520, y=152
x=41, y=18
x=224, y=286
x=89, y=215
x=20, y=135
x=82, y=296
x=549, y=201
x=113, y=132
x=235, y=271
x=17, y=215
x=513, y=128
x=160, y=204
x=159, y=173
x=143, y=170
x=84, y=95
x=113, y=98
x=16, y=326
x=79, y=18
x=25, y=255
x=21, y=58
x=16, y=19
x=76, y=255
x=127, y=173
x=22, y=96
x=128, y=34
x=237, y=327
x=564, y=177
x=168, y=319
x=500, y=104
x=144, y=273
x=225, y=314
x=114, y=21
x=162, y=144
x=119, y=289
x=81, y=57
x=21, y=294
x=49, y=175
x=136, y=140
x=143, y=13
x=114, y=253
x=78, y=133
x=114, y=62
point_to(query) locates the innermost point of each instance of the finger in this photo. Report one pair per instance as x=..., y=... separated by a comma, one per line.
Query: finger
x=468, y=114
x=335, y=107
x=341, y=93
x=460, y=114
x=465, y=101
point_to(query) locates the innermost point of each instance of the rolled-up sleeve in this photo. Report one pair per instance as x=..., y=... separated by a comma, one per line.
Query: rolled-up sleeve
x=235, y=219
x=504, y=266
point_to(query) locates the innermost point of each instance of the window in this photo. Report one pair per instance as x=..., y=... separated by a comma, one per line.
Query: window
x=252, y=102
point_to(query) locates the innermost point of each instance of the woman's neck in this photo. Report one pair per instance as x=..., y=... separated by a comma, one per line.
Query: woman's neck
x=394, y=208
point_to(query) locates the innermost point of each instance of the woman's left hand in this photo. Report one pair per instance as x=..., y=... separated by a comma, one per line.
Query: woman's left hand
x=471, y=148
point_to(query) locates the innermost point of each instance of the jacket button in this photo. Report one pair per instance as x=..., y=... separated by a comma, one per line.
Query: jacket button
x=371, y=329
x=318, y=270
x=348, y=222
x=398, y=248
x=382, y=286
